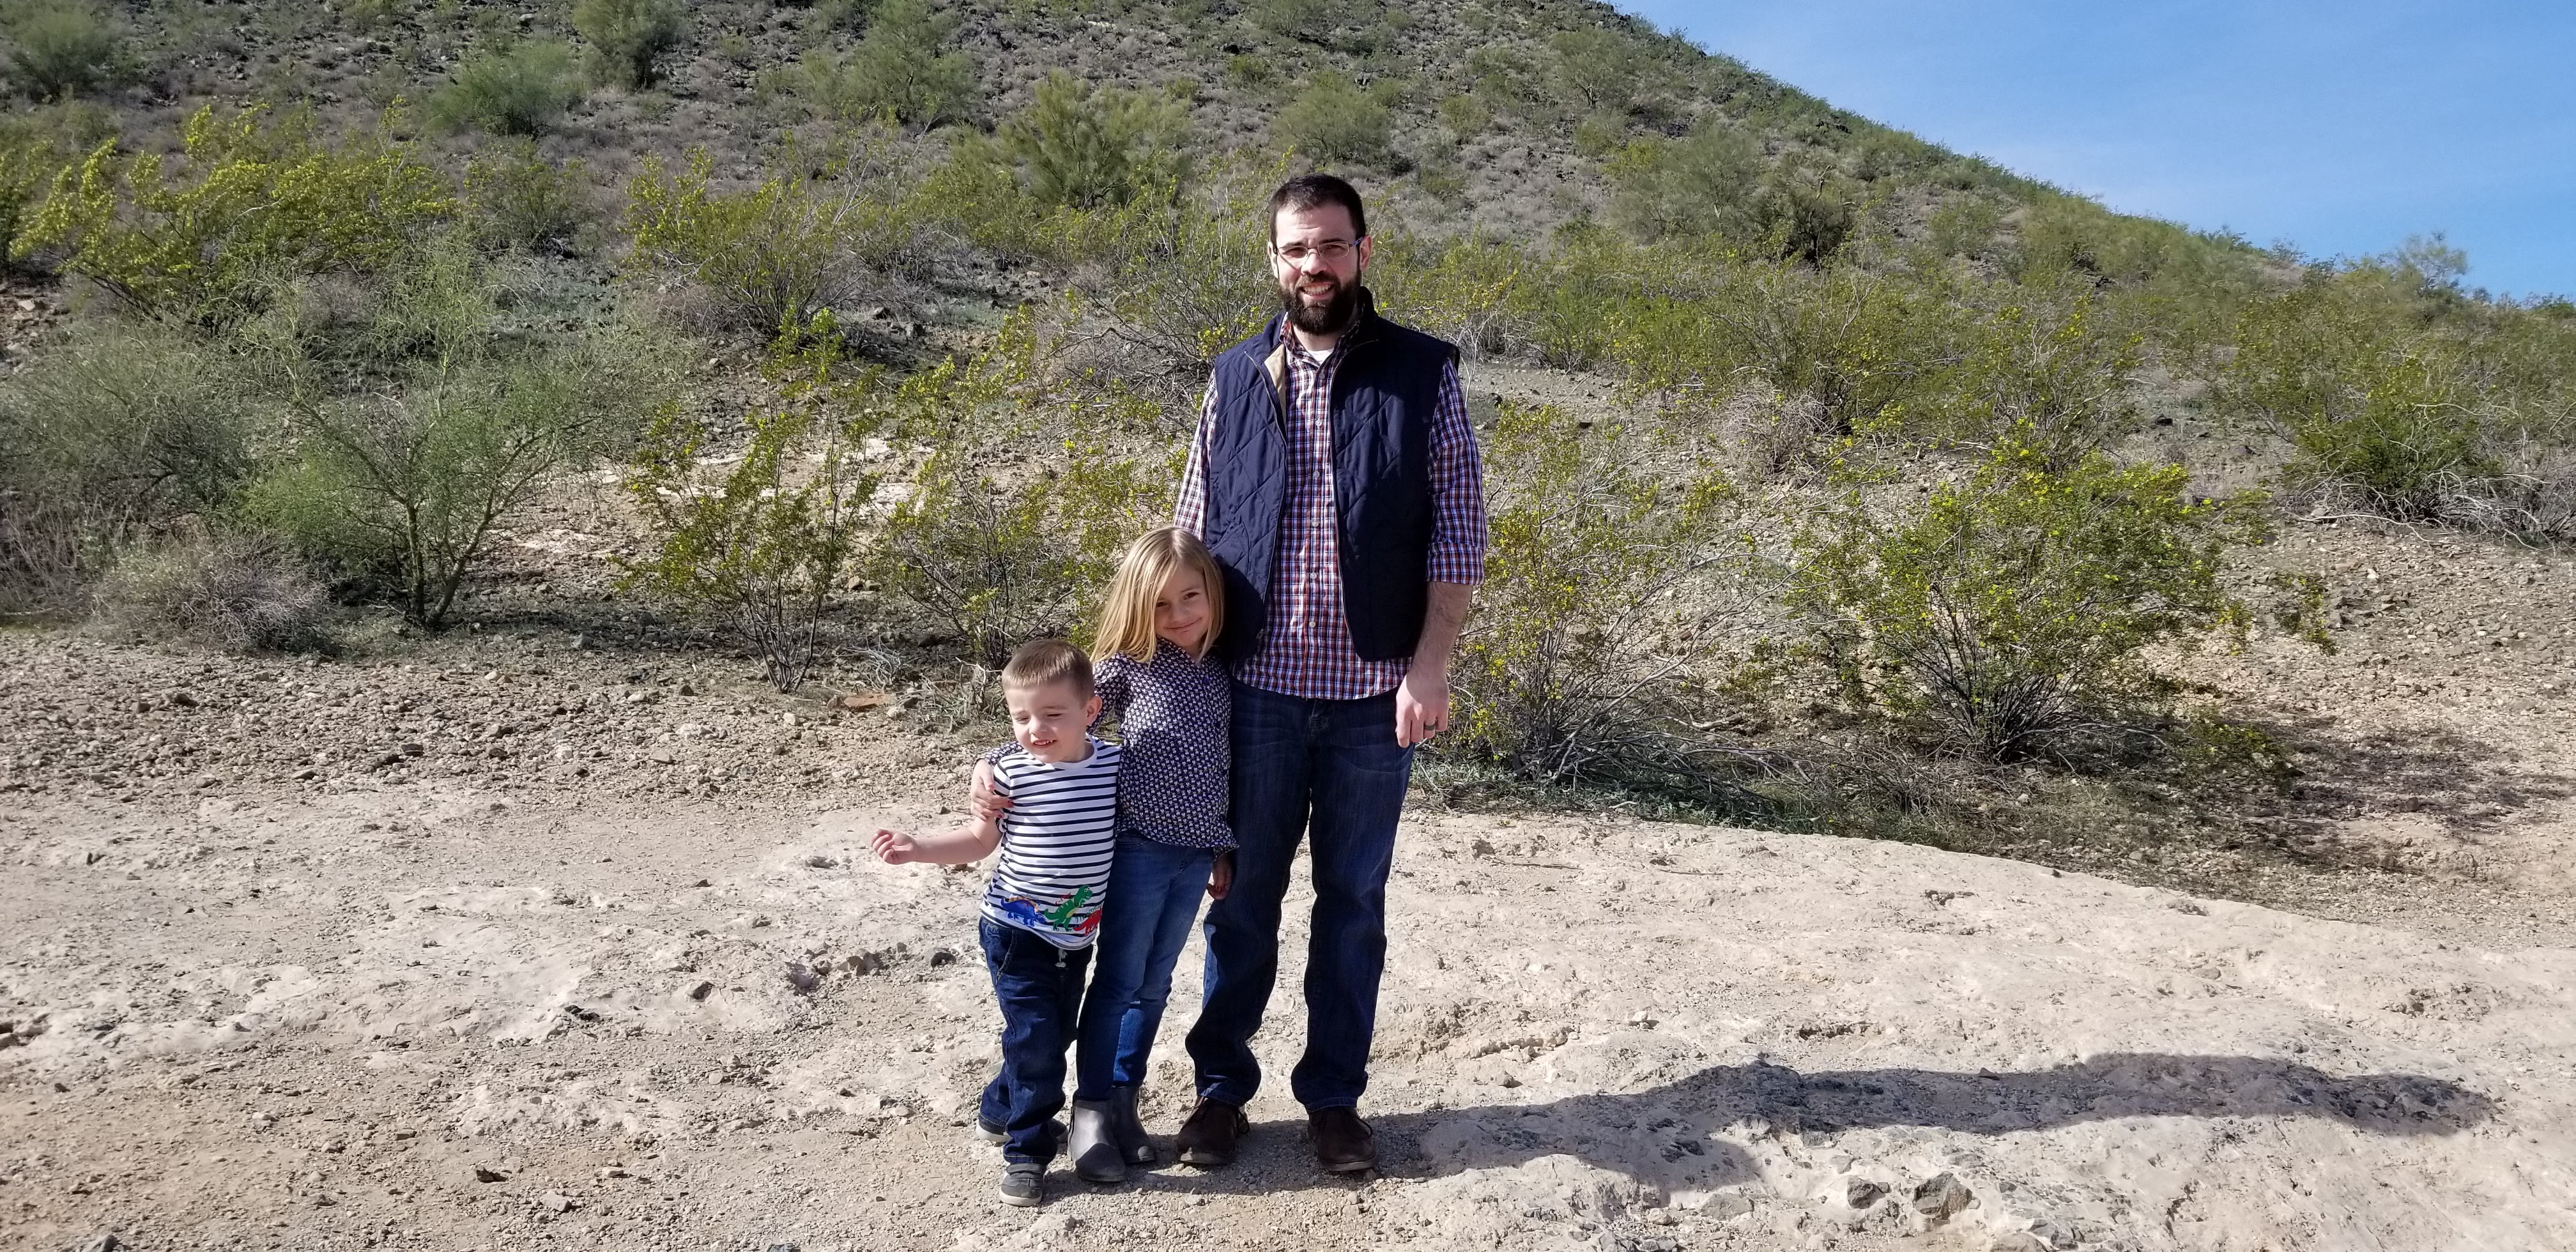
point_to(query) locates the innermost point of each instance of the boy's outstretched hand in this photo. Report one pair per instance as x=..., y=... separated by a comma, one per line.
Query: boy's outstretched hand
x=892, y=847
x=1221, y=876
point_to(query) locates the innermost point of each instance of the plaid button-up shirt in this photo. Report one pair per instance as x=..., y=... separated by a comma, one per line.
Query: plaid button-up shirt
x=1306, y=650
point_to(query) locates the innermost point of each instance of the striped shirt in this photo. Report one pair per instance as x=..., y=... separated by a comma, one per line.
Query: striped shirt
x=1306, y=648
x=1056, y=839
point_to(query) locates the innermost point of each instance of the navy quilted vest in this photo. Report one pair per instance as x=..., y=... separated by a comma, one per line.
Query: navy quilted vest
x=1385, y=391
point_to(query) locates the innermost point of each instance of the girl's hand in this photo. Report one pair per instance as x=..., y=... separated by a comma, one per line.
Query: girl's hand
x=1221, y=876
x=892, y=847
x=980, y=794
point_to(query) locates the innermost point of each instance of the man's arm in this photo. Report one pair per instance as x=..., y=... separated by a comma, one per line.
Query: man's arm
x=1457, y=565
x=1422, y=700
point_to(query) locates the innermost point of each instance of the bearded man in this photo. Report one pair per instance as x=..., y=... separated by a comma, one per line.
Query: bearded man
x=1334, y=476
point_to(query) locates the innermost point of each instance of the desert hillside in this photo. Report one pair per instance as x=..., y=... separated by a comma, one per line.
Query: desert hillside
x=1991, y=723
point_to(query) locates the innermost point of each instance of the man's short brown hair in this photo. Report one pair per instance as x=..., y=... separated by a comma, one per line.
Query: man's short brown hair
x=1046, y=662
x=1314, y=191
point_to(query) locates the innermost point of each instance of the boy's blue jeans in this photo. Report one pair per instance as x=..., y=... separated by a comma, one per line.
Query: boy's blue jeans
x=1329, y=768
x=1039, y=986
x=1154, y=891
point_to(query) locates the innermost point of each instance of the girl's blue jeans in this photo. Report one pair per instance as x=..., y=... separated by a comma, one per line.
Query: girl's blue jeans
x=1154, y=891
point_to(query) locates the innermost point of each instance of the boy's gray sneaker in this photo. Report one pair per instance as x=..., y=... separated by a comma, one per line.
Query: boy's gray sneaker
x=1129, y=1130
x=1023, y=1184
x=1095, y=1151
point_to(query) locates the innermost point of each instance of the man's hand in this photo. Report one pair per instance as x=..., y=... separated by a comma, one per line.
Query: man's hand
x=1422, y=703
x=988, y=804
x=893, y=847
x=1221, y=875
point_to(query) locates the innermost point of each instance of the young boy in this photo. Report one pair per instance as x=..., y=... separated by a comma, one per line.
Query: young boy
x=1042, y=905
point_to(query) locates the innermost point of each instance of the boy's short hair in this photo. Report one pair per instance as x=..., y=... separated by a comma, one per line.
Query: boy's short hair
x=1046, y=662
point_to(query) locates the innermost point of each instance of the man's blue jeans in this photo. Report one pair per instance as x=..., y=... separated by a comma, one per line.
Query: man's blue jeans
x=1329, y=768
x=1039, y=986
x=1154, y=891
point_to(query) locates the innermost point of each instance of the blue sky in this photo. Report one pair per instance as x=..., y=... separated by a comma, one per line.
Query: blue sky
x=2340, y=127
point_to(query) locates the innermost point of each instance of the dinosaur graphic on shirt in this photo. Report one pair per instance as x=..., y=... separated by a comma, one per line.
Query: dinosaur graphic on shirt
x=1026, y=912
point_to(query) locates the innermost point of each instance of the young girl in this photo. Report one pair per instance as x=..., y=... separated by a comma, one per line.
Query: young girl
x=1174, y=706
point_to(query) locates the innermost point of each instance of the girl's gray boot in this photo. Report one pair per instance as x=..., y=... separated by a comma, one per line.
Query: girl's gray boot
x=1129, y=1129
x=1096, y=1155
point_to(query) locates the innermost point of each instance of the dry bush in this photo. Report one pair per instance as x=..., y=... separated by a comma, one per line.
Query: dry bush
x=239, y=593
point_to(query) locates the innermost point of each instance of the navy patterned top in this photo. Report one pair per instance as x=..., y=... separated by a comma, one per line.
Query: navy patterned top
x=1175, y=717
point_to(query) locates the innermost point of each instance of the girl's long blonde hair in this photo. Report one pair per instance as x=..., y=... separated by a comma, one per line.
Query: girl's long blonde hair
x=1127, y=614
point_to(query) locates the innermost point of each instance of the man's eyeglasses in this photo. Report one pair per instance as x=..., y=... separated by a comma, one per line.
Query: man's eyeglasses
x=1330, y=251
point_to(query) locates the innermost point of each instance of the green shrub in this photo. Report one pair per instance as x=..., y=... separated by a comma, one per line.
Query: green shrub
x=61, y=48
x=1334, y=122
x=108, y=440
x=1245, y=69
x=761, y=540
x=1965, y=226
x=1181, y=277
x=630, y=37
x=1465, y=116
x=518, y=199
x=772, y=255
x=1836, y=349
x=520, y=90
x=1312, y=21
x=29, y=163
x=2379, y=411
x=1701, y=184
x=1085, y=146
x=1581, y=639
x=240, y=593
x=1000, y=549
x=1598, y=72
x=1804, y=211
x=896, y=73
x=409, y=477
x=2048, y=369
x=2012, y=608
x=249, y=200
x=1462, y=290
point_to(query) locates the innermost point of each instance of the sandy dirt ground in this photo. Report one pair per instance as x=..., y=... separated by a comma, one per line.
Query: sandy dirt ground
x=508, y=939
x=424, y=1016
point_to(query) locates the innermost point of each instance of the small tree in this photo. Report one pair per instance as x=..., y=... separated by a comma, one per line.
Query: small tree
x=62, y=48
x=520, y=90
x=896, y=73
x=2011, y=608
x=1701, y=184
x=762, y=542
x=1085, y=146
x=410, y=475
x=628, y=37
x=1334, y=121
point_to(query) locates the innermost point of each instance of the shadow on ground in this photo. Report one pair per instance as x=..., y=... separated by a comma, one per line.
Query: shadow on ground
x=1684, y=1134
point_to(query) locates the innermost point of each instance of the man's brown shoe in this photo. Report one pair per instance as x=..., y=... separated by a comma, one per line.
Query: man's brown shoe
x=1343, y=1143
x=1207, y=1138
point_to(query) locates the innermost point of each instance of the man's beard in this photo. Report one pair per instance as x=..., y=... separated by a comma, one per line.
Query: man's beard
x=1332, y=317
